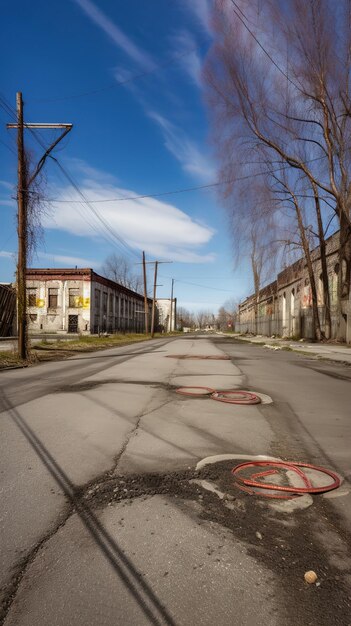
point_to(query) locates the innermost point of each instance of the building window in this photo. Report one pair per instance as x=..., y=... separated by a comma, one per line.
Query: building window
x=33, y=317
x=53, y=297
x=73, y=298
x=104, y=302
x=97, y=299
x=31, y=297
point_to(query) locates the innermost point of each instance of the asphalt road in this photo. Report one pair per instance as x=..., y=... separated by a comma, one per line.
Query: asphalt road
x=106, y=518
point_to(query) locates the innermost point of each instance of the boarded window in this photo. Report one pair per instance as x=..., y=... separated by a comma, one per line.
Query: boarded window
x=32, y=297
x=73, y=297
x=53, y=298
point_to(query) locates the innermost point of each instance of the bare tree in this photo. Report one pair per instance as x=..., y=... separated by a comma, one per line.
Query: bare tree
x=287, y=99
x=204, y=318
x=185, y=318
x=119, y=269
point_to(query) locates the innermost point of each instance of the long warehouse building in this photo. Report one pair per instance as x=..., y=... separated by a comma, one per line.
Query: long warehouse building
x=81, y=301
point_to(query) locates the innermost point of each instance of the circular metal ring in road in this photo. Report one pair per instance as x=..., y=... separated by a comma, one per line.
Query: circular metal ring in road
x=236, y=397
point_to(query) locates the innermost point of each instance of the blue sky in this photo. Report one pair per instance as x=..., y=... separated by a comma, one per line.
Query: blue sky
x=128, y=76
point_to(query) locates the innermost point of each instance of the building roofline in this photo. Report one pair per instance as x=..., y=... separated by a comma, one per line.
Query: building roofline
x=51, y=272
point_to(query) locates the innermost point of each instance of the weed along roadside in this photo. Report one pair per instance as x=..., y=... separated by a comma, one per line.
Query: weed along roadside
x=58, y=349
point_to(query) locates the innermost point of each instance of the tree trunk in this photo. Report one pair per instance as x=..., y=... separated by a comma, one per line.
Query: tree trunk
x=344, y=274
x=322, y=249
x=316, y=327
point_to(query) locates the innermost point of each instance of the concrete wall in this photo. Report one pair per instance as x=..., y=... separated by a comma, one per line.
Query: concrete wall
x=167, y=322
x=60, y=318
x=284, y=307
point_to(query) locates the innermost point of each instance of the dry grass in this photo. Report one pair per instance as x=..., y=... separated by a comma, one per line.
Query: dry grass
x=61, y=349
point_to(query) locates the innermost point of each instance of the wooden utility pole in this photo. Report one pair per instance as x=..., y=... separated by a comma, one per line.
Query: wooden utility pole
x=171, y=312
x=156, y=263
x=154, y=302
x=25, y=179
x=22, y=234
x=146, y=308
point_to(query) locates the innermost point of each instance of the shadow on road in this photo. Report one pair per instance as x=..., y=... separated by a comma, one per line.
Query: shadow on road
x=123, y=567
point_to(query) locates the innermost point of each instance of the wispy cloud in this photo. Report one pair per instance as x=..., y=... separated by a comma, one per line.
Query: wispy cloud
x=191, y=62
x=7, y=185
x=67, y=260
x=56, y=258
x=148, y=224
x=192, y=159
x=201, y=9
x=115, y=34
x=7, y=255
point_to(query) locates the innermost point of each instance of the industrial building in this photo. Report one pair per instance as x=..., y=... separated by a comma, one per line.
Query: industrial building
x=167, y=313
x=81, y=301
x=284, y=307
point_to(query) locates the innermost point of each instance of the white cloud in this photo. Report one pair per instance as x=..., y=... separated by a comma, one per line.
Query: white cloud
x=191, y=62
x=55, y=259
x=7, y=185
x=192, y=159
x=201, y=9
x=67, y=260
x=7, y=255
x=118, y=37
x=88, y=173
x=147, y=224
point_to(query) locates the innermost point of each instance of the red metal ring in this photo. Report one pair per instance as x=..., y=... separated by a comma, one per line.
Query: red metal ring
x=246, y=483
x=243, y=397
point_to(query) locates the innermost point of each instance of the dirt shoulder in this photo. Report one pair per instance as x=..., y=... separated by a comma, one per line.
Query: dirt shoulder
x=63, y=349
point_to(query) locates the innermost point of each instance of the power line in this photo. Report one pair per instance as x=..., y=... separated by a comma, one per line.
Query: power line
x=108, y=228
x=8, y=147
x=8, y=108
x=185, y=282
x=187, y=189
x=119, y=83
x=260, y=45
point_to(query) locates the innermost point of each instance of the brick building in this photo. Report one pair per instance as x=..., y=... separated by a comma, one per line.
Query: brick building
x=81, y=301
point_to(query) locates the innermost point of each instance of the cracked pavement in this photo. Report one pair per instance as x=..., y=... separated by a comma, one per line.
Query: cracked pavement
x=103, y=524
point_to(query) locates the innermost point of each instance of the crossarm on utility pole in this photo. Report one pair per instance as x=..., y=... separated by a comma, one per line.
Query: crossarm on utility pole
x=22, y=228
x=47, y=152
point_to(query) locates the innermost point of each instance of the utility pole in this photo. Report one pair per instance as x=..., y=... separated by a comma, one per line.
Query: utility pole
x=146, y=309
x=24, y=182
x=170, y=316
x=154, y=296
x=156, y=263
x=22, y=234
x=154, y=302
